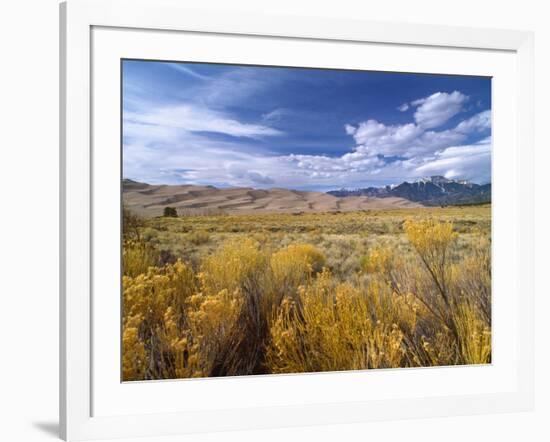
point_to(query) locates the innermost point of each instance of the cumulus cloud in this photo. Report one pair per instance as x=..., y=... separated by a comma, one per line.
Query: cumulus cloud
x=471, y=162
x=373, y=137
x=408, y=151
x=173, y=144
x=478, y=123
x=438, y=108
x=350, y=130
x=321, y=163
x=410, y=139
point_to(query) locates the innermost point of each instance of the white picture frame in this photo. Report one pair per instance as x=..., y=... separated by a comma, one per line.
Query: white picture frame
x=78, y=375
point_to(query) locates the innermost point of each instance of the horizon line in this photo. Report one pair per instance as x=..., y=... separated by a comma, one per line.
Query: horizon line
x=293, y=188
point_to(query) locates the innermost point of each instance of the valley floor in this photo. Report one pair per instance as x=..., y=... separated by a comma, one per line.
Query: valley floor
x=214, y=295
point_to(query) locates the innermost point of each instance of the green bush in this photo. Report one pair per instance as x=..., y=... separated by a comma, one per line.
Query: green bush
x=170, y=212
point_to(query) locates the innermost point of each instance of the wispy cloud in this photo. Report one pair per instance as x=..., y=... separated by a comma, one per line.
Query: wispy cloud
x=174, y=145
x=215, y=128
x=276, y=115
x=193, y=118
x=187, y=71
x=404, y=107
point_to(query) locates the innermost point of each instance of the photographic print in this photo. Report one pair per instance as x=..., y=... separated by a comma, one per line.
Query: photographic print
x=280, y=220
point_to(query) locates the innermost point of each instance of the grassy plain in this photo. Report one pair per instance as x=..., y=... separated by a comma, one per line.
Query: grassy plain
x=217, y=295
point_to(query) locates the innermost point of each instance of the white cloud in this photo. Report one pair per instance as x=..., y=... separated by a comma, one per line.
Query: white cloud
x=478, y=123
x=350, y=130
x=276, y=115
x=471, y=162
x=425, y=152
x=404, y=107
x=168, y=144
x=323, y=163
x=375, y=138
x=233, y=86
x=193, y=118
x=240, y=172
x=438, y=108
x=188, y=71
x=409, y=140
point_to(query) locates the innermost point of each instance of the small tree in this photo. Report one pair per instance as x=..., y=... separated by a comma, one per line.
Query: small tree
x=170, y=211
x=131, y=225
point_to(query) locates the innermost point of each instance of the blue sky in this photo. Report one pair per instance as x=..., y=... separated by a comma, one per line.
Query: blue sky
x=309, y=129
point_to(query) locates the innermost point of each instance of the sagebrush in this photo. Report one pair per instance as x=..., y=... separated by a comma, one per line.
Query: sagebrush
x=219, y=295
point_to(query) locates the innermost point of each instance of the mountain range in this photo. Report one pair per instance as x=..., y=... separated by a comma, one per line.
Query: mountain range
x=432, y=191
x=150, y=200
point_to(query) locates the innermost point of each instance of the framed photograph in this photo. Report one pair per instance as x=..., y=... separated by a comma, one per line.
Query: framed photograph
x=283, y=221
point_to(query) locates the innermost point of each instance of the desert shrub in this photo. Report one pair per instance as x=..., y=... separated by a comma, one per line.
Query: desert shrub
x=263, y=300
x=170, y=212
x=333, y=327
x=138, y=257
x=433, y=240
x=154, y=322
x=472, y=280
x=462, y=316
x=379, y=260
x=131, y=224
x=294, y=265
x=134, y=357
x=148, y=234
x=238, y=265
x=474, y=333
x=212, y=318
x=198, y=237
x=473, y=276
x=167, y=257
x=241, y=268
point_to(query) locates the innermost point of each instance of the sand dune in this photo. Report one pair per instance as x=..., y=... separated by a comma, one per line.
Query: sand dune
x=150, y=200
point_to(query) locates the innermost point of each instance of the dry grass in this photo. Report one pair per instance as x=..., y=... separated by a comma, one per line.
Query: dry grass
x=256, y=294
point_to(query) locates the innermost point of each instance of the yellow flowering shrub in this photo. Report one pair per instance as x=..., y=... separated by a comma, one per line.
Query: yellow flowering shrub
x=475, y=334
x=234, y=266
x=465, y=319
x=473, y=275
x=379, y=260
x=332, y=328
x=211, y=320
x=432, y=240
x=266, y=302
x=134, y=360
x=294, y=265
x=154, y=320
x=137, y=257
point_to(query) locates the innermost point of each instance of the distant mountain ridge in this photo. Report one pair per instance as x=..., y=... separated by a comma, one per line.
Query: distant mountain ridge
x=431, y=191
x=150, y=200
